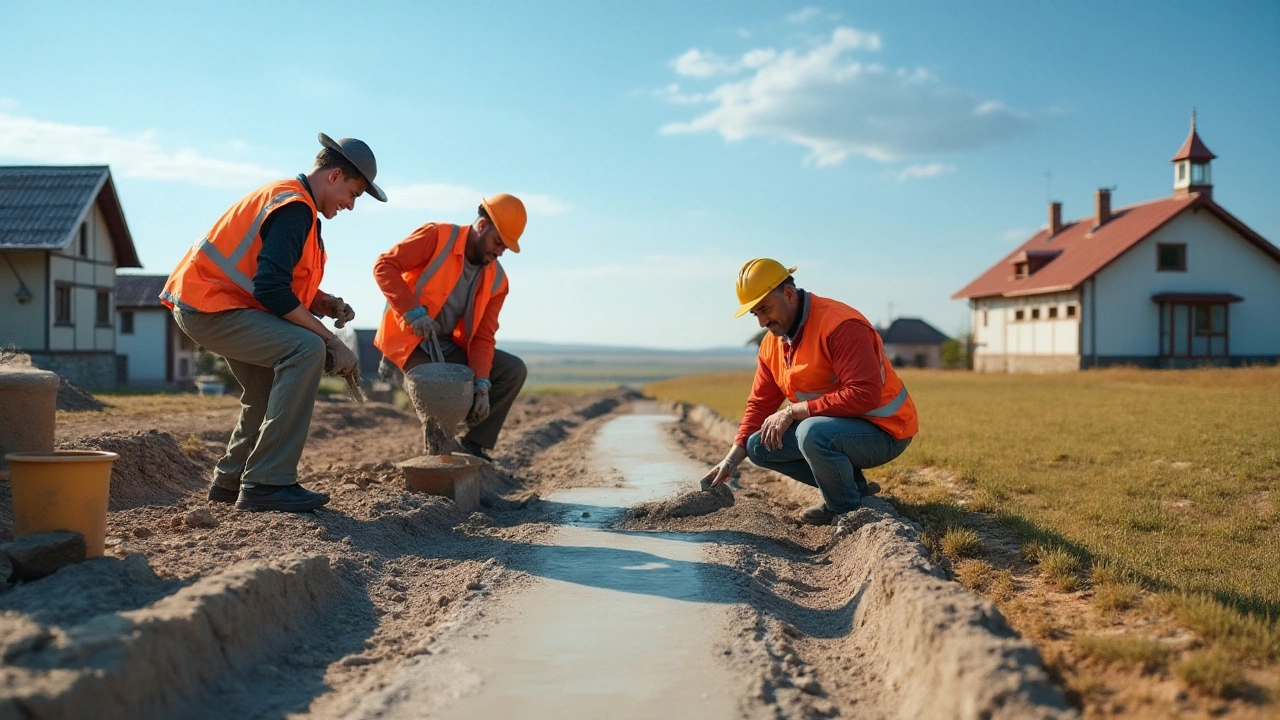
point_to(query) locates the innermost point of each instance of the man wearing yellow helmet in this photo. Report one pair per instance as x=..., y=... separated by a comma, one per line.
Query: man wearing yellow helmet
x=846, y=410
x=445, y=280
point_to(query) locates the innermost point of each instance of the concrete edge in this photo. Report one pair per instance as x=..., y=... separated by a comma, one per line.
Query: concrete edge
x=943, y=650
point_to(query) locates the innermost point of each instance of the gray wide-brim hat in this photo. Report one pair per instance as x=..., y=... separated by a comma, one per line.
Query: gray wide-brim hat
x=357, y=152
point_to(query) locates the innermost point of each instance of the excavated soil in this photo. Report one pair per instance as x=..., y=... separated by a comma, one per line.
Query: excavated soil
x=271, y=615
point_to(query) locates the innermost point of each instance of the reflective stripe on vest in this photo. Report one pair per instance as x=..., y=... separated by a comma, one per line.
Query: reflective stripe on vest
x=891, y=407
x=229, y=264
x=434, y=267
x=470, y=317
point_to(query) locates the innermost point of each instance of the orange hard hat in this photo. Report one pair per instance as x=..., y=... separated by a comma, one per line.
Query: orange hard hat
x=756, y=279
x=508, y=216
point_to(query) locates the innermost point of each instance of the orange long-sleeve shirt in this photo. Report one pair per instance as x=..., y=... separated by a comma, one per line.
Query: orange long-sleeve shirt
x=412, y=255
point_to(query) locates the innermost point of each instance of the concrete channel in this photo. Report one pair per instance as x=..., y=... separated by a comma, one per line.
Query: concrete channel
x=621, y=625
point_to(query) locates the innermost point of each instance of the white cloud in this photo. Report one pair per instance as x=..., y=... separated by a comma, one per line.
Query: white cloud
x=9, y=104
x=455, y=199
x=134, y=156
x=803, y=15
x=836, y=106
x=696, y=63
x=925, y=171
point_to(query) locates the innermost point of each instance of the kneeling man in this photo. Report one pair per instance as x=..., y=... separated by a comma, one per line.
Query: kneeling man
x=846, y=409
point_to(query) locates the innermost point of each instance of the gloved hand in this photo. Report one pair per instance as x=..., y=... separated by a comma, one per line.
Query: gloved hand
x=422, y=323
x=342, y=312
x=326, y=305
x=345, y=362
x=479, y=405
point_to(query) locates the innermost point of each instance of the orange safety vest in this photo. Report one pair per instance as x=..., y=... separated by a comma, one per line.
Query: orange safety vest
x=810, y=373
x=217, y=272
x=432, y=284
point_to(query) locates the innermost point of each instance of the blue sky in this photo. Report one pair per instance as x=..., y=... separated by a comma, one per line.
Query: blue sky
x=892, y=150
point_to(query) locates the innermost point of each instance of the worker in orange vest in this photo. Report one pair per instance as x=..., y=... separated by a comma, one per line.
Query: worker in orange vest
x=445, y=281
x=250, y=292
x=846, y=410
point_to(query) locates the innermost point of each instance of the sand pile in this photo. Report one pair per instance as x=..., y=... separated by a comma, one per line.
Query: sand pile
x=698, y=502
x=71, y=397
x=152, y=469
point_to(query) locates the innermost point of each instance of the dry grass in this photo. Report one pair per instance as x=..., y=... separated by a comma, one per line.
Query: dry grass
x=1212, y=672
x=1124, y=650
x=1112, y=597
x=1173, y=475
x=1059, y=568
x=192, y=446
x=1249, y=637
x=961, y=543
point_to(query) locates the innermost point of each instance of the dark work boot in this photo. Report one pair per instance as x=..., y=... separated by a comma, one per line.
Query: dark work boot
x=476, y=449
x=217, y=493
x=283, y=498
x=817, y=515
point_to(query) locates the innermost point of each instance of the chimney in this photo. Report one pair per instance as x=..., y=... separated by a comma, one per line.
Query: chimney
x=1102, y=207
x=1055, y=218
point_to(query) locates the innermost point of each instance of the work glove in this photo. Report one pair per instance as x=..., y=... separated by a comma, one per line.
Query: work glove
x=421, y=322
x=479, y=405
x=339, y=359
x=326, y=305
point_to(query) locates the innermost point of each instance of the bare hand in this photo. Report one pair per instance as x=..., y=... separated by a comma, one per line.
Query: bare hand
x=718, y=474
x=775, y=427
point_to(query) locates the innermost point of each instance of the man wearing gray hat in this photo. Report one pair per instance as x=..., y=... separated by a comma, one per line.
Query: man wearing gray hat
x=250, y=291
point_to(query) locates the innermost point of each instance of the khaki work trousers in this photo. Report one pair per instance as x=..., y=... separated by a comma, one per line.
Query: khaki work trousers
x=279, y=365
x=508, y=376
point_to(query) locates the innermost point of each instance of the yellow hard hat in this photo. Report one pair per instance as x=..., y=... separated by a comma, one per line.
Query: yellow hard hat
x=756, y=278
x=508, y=216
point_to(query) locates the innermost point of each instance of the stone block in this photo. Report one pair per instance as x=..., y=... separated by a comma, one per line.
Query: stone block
x=39, y=554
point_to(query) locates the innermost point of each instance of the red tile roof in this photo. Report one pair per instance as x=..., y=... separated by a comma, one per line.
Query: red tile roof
x=1083, y=250
x=1192, y=148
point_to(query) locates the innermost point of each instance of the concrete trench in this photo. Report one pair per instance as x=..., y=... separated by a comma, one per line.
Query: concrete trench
x=623, y=625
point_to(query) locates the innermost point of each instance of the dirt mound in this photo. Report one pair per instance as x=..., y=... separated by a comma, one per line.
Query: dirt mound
x=71, y=397
x=690, y=504
x=152, y=469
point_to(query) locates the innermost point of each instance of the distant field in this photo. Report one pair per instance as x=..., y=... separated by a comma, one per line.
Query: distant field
x=600, y=370
x=1172, y=475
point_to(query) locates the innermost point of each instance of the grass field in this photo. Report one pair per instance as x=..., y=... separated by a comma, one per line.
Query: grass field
x=1169, y=477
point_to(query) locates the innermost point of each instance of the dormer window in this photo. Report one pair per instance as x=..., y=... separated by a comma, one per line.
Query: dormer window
x=1027, y=262
x=1020, y=270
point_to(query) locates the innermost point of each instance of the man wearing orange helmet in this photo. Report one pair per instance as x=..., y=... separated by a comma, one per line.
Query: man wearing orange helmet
x=445, y=280
x=846, y=410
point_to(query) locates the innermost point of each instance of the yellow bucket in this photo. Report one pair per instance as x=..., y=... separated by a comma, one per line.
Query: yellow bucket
x=62, y=490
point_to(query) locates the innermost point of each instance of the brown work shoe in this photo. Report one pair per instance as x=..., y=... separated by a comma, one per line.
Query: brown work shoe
x=817, y=515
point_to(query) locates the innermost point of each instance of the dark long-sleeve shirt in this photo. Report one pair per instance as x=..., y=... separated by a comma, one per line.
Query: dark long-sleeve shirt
x=284, y=235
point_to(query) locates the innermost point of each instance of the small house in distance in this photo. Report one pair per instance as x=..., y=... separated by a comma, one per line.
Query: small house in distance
x=913, y=342
x=62, y=236
x=153, y=350
x=1172, y=282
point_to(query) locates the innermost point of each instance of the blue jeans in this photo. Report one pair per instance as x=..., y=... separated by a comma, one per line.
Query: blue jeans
x=830, y=454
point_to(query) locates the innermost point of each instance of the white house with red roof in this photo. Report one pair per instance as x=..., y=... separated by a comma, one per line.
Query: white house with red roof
x=1173, y=282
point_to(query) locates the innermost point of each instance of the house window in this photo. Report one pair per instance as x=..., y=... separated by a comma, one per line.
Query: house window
x=84, y=239
x=1071, y=311
x=1171, y=258
x=1053, y=311
x=1035, y=313
x=1019, y=270
x=1194, y=330
x=1018, y=315
x=184, y=368
x=126, y=322
x=103, y=309
x=62, y=305
x=1182, y=171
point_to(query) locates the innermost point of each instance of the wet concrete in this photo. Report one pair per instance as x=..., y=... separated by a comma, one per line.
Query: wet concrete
x=620, y=626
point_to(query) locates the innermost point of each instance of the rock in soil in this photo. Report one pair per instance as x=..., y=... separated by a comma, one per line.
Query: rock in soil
x=35, y=556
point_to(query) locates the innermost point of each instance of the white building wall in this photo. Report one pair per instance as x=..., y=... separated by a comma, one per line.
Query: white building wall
x=1218, y=261
x=145, y=348
x=1004, y=334
x=23, y=325
x=88, y=273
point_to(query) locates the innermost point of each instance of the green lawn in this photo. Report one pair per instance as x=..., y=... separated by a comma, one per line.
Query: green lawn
x=1170, y=475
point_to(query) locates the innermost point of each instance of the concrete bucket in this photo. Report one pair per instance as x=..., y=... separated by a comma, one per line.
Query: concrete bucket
x=441, y=394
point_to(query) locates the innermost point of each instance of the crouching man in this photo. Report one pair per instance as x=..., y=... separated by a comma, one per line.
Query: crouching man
x=846, y=408
x=445, y=281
